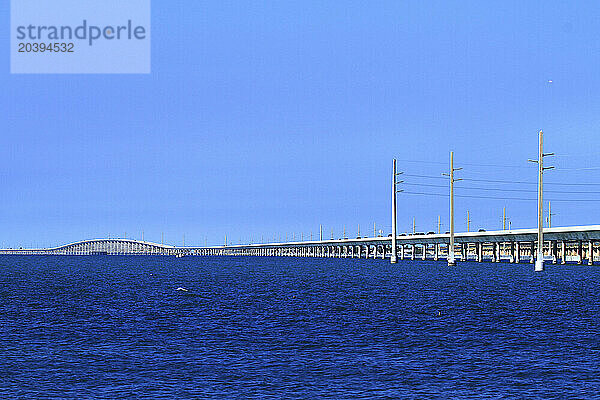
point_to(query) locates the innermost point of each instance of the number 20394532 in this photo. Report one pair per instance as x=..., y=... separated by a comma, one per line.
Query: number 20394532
x=46, y=48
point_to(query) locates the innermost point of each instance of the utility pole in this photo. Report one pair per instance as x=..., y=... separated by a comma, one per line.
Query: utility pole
x=439, y=224
x=344, y=234
x=358, y=234
x=321, y=232
x=550, y=214
x=394, y=256
x=468, y=222
x=539, y=262
x=504, y=218
x=225, y=240
x=451, y=259
x=414, y=226
x=142, y=236
x=374, y=230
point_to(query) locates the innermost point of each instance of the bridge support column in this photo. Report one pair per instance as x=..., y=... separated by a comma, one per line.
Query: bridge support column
x=563, y=252
x=517, y=253
x=590, y=253
x=402, y=252
x=554, y=251
x=436, y=252
x=413, y=248
x=497, y=252
x=479, y=252
x=579, y=252
x=383, y=248
x=463, y=251
x=532, y=260
x=424, y=255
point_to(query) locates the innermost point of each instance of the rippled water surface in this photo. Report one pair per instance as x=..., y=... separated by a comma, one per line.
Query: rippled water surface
x=117, y=327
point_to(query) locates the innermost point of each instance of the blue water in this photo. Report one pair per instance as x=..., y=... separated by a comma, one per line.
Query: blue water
x=116, y=327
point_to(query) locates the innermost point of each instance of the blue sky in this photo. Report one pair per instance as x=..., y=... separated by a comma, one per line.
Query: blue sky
x=270, y=118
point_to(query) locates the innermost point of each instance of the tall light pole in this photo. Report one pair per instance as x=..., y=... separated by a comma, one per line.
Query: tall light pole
x=539, y=262
x=468, y=221
x=321, y=233
x=550, y=215
x=451, y=259
x=394, y=256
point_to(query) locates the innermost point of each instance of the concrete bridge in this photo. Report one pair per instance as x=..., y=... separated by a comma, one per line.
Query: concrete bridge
x=100, y=246
x=561, y=244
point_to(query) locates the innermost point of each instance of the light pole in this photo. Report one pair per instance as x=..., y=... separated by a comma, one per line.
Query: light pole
x=468, y=221
x=451, y=259
x=394, y=256
x=550, y=215
x=539, y=262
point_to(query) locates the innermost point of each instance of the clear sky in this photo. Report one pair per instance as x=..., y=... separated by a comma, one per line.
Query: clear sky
x=269, y=118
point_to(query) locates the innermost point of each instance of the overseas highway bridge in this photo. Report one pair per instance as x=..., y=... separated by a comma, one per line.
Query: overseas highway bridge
x=561, y=244
x=558, y=244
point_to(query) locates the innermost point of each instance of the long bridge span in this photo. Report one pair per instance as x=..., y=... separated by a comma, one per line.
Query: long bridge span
x=562, y=244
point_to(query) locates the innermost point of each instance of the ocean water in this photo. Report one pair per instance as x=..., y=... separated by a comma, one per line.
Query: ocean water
x=104, y=327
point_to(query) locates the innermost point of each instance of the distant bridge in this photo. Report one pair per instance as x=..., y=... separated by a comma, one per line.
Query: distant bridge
x=100, y=246
x=575, y=243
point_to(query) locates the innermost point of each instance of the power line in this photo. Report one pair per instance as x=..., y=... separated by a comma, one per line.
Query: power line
x=475, y=188
x=530, y=183
x=505, y=189
x=578, y=169
x=471, y=164
x=468, y=196
x=427, y=176
x=500, y=198
x=499, y=181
